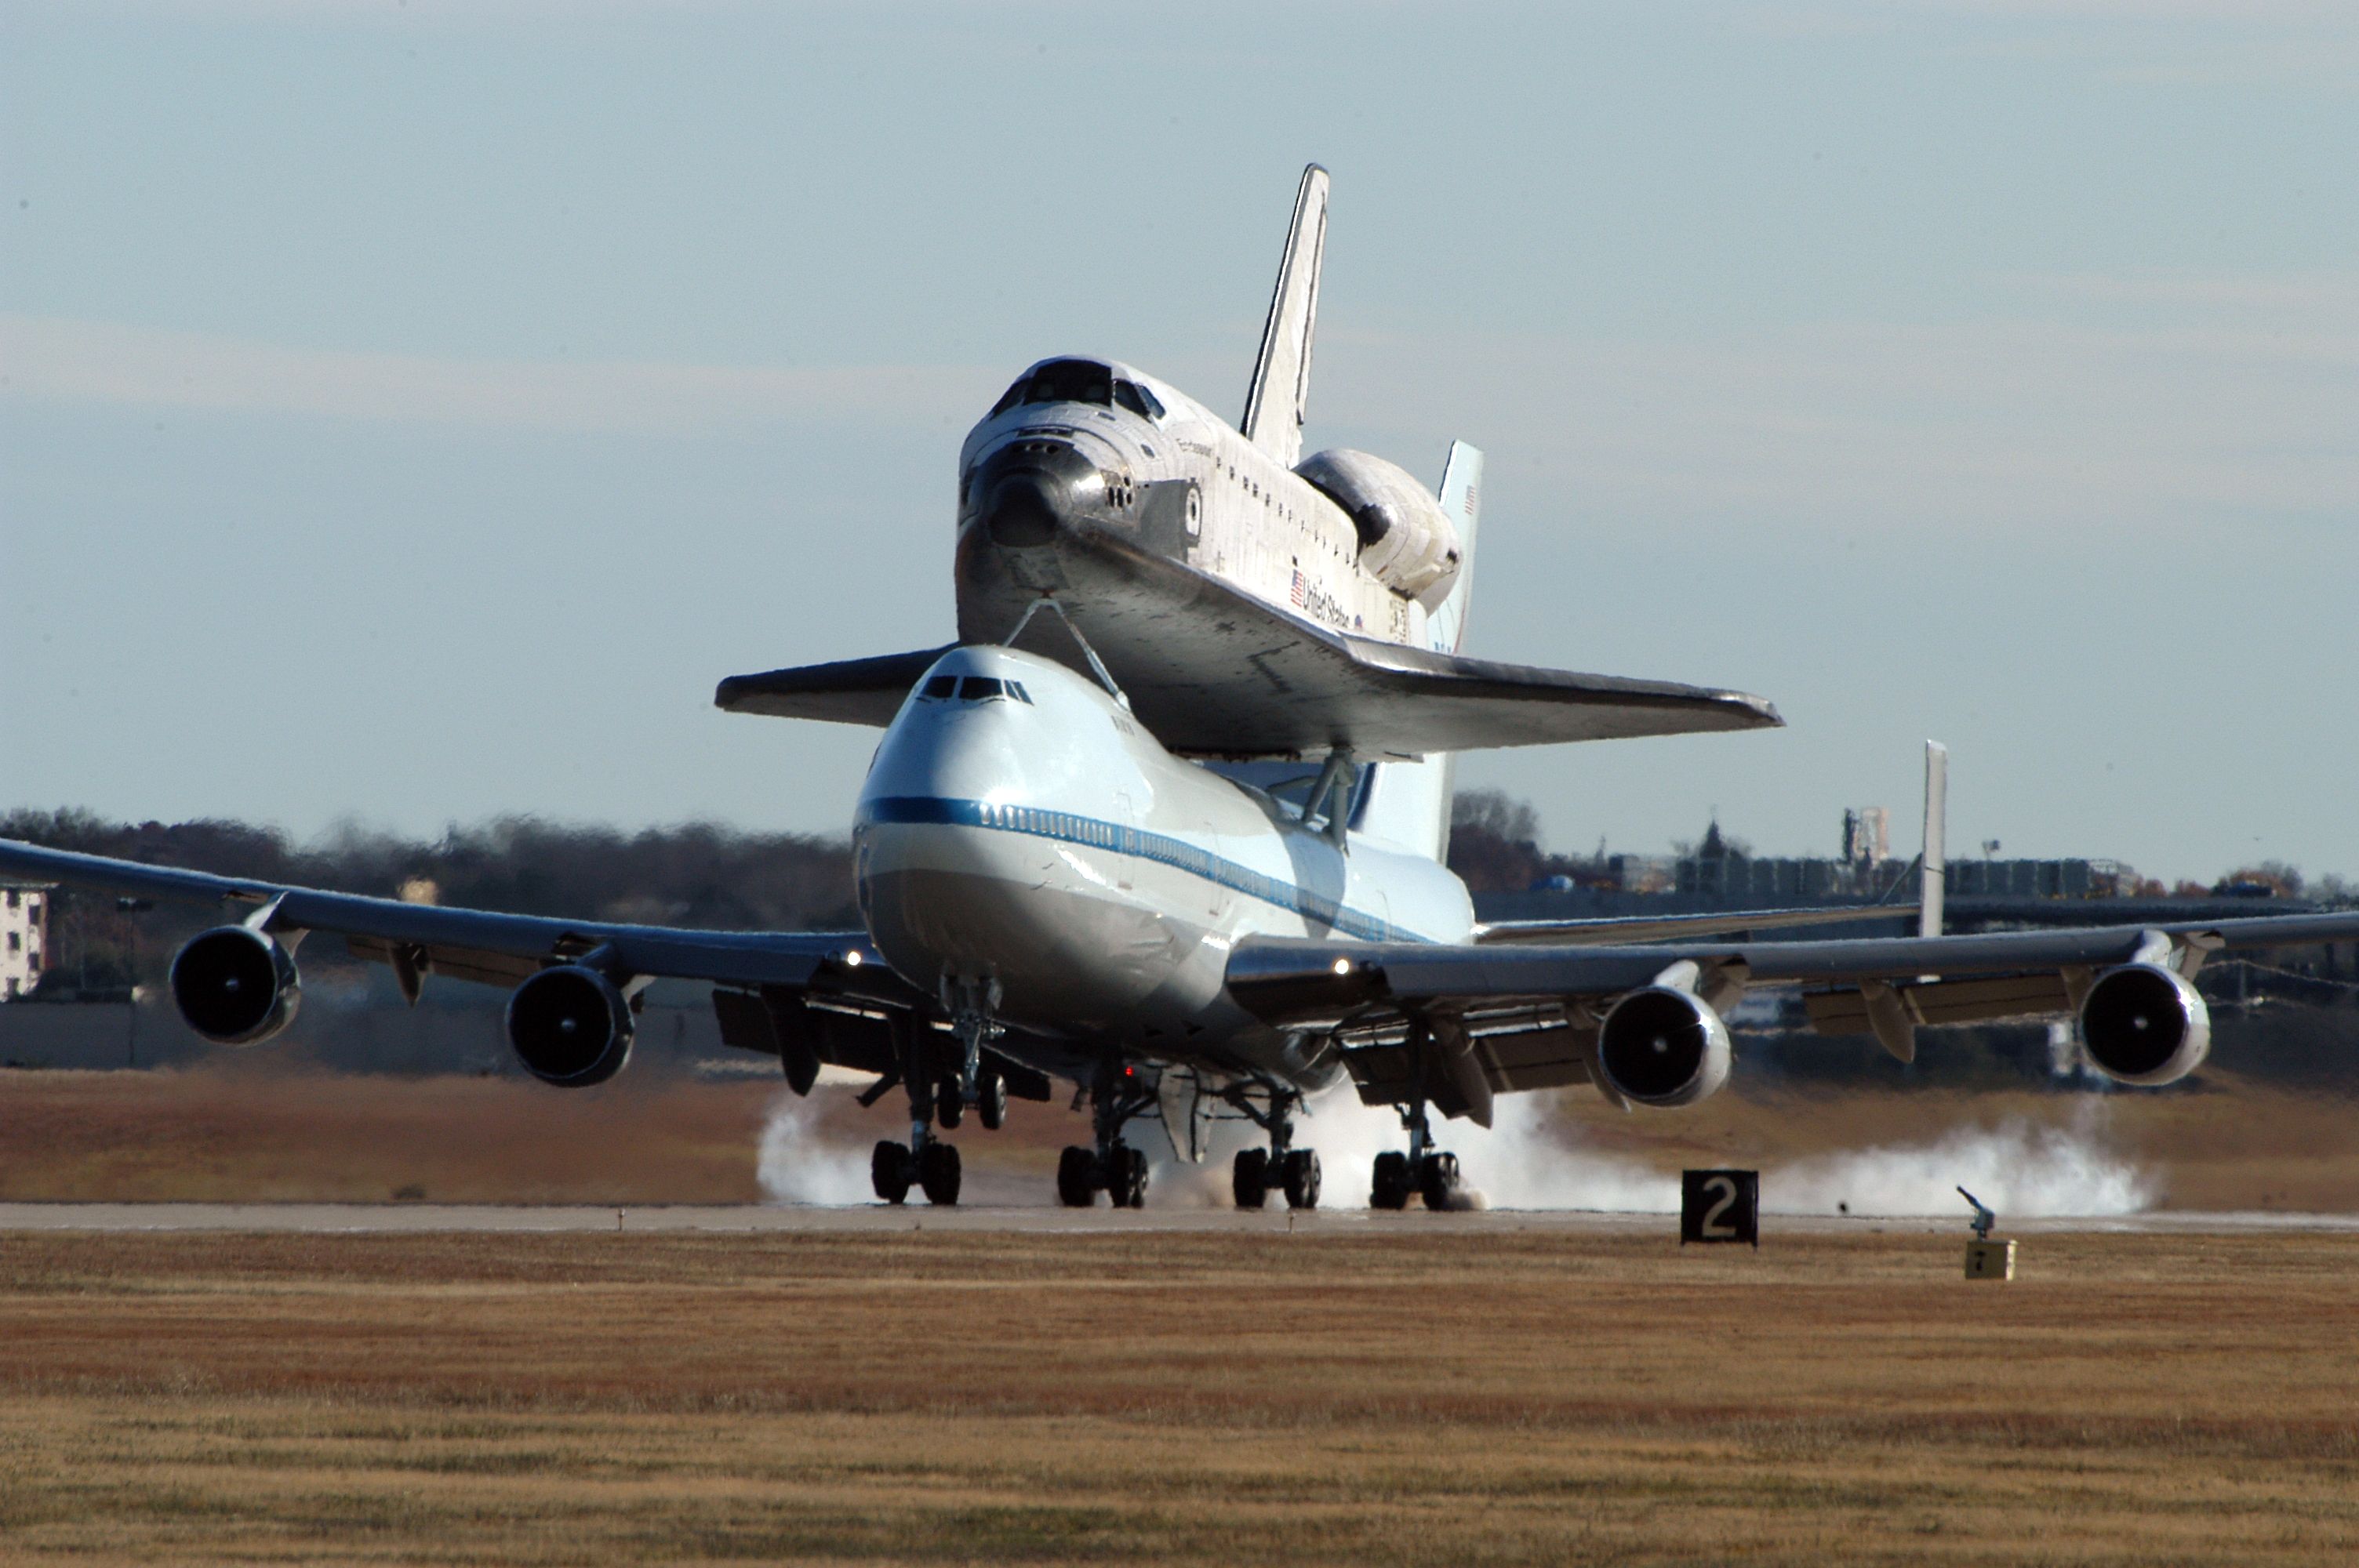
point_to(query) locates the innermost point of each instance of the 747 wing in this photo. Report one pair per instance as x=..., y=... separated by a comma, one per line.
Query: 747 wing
x=1455, y=1025
x=808, y=998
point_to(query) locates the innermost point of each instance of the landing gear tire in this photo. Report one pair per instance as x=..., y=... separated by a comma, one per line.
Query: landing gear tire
x=949, y=1104
x=1077, y=1185
x=991, y=1101
x=937, y=1172
x=1126, y=1183
x=1437, y=1179
x=1391, y=1186
x=889, y=1172
x=1302, y=1178
x=1249, y=1177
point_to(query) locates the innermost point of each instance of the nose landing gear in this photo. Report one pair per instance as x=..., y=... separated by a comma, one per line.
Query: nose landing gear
x=973, y=1004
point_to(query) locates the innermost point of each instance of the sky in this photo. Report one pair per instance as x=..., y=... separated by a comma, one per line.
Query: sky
x=409, y=411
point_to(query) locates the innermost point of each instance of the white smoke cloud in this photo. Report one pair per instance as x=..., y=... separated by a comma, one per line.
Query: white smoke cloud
x=799, y=1163
x=1518, y=1164
x=1531, y=1159
x=2019, y=1168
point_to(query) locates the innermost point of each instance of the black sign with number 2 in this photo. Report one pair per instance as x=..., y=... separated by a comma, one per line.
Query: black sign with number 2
x=1720, y=1206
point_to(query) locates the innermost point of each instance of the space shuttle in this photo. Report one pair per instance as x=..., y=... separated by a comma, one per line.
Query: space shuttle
x=1247, y=603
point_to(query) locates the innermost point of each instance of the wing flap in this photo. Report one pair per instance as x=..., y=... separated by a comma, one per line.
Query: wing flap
x=1946, y=1003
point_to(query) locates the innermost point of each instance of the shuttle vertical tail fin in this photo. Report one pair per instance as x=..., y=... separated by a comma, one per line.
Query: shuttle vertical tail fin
x=1408, y=803
x=1281, y=380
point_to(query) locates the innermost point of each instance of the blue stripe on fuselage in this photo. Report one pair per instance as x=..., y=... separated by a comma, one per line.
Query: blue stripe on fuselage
x=1070, y=827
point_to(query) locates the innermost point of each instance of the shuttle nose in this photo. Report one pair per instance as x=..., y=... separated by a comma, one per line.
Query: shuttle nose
x=1026, y=491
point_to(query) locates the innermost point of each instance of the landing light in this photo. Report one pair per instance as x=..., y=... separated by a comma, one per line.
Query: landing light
x=1342, y=966
x=851, y=959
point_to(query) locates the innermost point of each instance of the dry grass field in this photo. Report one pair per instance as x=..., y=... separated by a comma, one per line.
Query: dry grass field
x=1440, y=1391
x=235, y=1131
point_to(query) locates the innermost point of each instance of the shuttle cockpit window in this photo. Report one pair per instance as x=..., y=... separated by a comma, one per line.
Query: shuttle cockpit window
x=1061, y=381
x=1138, y=399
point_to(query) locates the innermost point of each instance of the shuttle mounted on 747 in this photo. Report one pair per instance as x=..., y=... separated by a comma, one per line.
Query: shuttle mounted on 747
x=1167, y=820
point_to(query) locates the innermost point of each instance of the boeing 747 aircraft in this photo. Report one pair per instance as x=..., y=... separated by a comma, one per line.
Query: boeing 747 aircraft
x=1169, y=822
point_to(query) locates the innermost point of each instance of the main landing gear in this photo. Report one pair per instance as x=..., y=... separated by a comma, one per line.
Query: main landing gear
x=1113, y=1167
x=941, y=1091
x=1423, y=1171
x=1294, y=1171
x=932, y=1168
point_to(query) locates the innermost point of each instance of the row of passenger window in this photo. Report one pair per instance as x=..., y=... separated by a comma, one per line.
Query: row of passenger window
x=974, y=688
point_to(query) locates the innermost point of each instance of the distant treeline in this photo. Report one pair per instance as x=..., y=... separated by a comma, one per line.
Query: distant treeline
x=696, y=874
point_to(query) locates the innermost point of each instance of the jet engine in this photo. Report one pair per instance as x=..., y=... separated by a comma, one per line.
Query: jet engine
x=1663, y=1047
x=2145, y=1024
x=236, y=985
x=571, y=1026
x=1406, y=539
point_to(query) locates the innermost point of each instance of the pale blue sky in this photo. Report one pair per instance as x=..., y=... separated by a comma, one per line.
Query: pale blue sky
x=409, y=412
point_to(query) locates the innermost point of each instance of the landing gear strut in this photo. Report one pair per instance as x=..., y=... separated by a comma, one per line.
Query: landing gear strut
x=1429, y=1173
x=1293, y=1171
x=973, y=1006
x=1113, y=1166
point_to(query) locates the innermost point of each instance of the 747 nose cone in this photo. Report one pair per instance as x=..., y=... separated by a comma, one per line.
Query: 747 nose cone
x=1027, y=492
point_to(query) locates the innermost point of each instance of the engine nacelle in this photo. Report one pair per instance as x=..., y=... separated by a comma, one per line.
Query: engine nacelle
x=236, y=985
x=571, y=1026
x=1664, y=1048
x=1406, y=542
x=2145, y=1024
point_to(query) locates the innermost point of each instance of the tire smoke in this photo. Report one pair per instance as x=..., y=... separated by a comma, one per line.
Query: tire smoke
x=802, y=1163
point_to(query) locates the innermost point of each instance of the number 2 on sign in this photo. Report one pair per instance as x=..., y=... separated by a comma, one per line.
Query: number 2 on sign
x=1714, y=1227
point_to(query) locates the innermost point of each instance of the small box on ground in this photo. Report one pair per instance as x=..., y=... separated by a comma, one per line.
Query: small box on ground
x=1720, y=1206
x=1990, y=1260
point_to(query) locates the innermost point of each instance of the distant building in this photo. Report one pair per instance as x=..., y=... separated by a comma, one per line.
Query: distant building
x=1721, y=873
x=24, y=937
x=1867, y=836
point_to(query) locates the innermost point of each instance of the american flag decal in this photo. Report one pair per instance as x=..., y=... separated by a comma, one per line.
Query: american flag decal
x=1299, y=587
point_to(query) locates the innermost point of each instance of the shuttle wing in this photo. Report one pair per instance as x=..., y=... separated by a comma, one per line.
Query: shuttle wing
x=1214, y=672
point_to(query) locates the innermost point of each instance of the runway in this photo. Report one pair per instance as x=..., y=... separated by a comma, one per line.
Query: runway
x=319, y=1218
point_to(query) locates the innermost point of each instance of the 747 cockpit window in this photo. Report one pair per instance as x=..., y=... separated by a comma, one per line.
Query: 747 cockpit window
x=979, y=688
